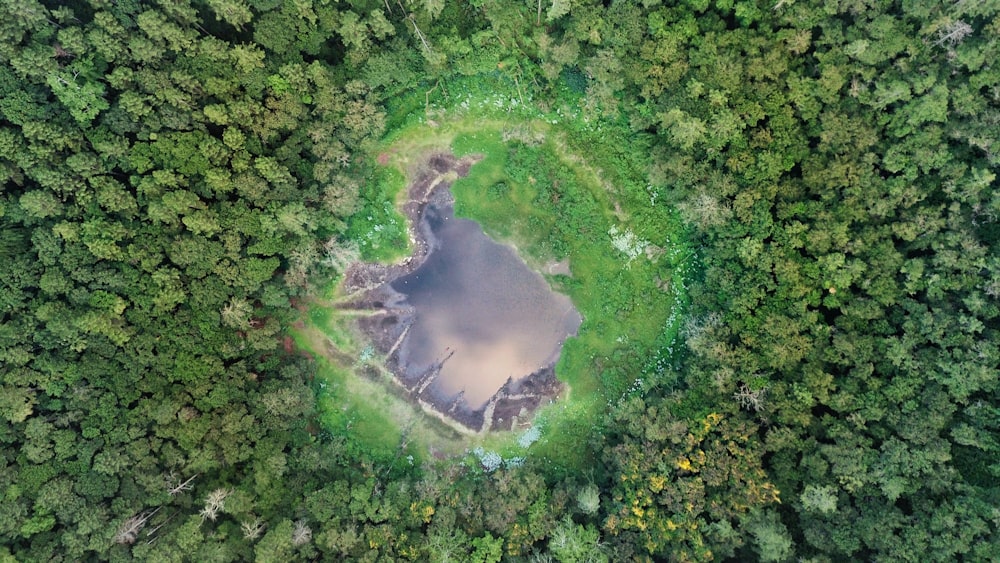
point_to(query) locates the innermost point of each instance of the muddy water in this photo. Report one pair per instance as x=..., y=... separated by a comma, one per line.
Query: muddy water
x=480, y=310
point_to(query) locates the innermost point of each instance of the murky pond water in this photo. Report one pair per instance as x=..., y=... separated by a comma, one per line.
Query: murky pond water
x=481, y=311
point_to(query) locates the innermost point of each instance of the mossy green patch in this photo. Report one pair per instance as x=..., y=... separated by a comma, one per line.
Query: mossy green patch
x=379, y=228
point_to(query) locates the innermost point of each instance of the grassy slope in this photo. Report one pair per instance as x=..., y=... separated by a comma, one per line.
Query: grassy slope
x=545, y=198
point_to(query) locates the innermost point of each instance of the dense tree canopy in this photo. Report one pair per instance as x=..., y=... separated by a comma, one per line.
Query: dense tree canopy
x=173, y=171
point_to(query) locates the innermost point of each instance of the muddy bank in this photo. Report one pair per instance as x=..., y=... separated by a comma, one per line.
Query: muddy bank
x=463, y=324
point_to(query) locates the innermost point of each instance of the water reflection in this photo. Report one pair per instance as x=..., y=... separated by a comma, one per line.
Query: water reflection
x=481, y=311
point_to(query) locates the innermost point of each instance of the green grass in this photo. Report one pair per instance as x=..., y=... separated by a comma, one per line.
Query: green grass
x=379, y=228
x=360, y=418
x=343, y=410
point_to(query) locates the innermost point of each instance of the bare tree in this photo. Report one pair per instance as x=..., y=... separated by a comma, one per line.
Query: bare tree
x=992, y=288
x=953, y=33
x=297, y=274
x=253, y=530
x=750, y=399
x=215, y=502
x=699, y=333
x=705, y=210
x=301, y=534
x=236, y=313
x=129, y=530
x=340, y=255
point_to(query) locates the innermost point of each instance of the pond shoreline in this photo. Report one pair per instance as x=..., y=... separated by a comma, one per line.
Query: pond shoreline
x=387, y=316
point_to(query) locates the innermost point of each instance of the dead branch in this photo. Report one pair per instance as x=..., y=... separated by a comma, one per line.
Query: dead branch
x=953, y=33
x=180, y=488
x=420, y=34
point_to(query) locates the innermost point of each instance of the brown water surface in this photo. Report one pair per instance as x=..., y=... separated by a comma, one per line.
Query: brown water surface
x=481, y=310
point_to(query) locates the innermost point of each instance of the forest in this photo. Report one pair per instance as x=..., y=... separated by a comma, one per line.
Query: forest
x=816, y=378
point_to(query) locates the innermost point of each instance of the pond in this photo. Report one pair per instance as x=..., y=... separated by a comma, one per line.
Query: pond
x=467, y=329
x=480, y=312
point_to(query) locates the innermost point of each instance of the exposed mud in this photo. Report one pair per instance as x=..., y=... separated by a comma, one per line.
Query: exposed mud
x=420, y=332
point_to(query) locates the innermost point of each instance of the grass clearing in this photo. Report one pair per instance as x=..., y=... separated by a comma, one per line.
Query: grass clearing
x=558, y=188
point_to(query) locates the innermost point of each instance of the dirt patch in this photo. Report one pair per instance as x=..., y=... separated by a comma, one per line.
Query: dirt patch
x=386, y=318
x=558, y=268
